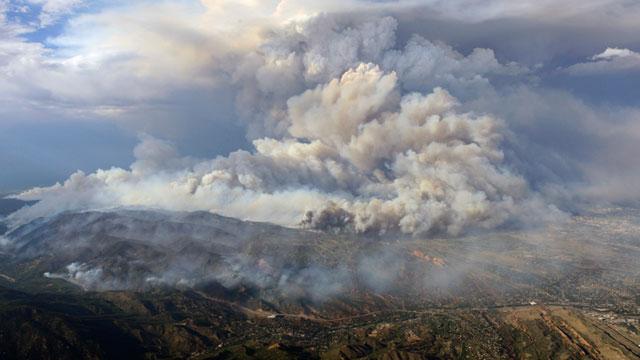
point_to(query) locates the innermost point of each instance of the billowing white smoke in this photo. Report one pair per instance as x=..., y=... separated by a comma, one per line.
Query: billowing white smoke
x=85, y=277
x=301, y=56
x=347, y=145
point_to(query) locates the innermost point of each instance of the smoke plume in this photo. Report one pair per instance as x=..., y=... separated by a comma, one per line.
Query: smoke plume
x=349, y=132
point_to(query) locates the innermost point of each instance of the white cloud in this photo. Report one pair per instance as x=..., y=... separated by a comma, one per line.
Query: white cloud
x=612, y=60
x=612, y=53
x=52, y=10
x=111, y=64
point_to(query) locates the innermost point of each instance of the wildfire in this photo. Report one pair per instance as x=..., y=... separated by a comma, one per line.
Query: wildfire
x=428, y=259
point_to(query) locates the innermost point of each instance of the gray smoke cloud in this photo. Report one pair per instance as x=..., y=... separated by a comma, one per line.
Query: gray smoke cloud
x=349, y=130
x=304, y=55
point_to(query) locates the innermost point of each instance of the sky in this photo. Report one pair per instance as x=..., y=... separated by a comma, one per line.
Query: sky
x=417, y=116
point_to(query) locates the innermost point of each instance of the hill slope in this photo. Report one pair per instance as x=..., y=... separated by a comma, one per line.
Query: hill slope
x=204, y=286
